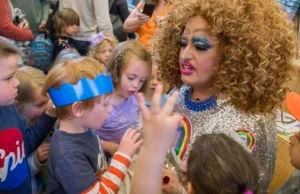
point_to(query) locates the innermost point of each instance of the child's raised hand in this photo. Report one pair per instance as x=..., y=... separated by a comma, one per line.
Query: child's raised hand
x=159, y=126
x=130, y=142
x=42, y=152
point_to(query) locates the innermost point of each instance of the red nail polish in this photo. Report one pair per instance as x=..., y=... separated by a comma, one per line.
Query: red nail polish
x=166, y=179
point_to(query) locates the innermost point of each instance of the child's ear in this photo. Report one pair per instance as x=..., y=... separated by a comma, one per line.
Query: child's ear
x=77, y=109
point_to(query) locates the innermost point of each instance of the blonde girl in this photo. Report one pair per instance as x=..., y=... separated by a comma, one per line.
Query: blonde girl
x=130, y=67
x=31, y=104
x=102, y=46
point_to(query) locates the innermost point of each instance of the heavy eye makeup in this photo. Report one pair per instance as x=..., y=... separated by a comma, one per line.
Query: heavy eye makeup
x=201, y=44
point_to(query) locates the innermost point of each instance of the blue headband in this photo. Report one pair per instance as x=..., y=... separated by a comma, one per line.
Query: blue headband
x=83, y=90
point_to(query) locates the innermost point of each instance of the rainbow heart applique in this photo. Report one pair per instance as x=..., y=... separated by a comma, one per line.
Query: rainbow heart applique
x=184, y=135
x=247, y=138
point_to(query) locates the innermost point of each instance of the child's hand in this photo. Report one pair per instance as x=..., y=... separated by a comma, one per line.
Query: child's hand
x=42, y=153
x=173, y=186
x=50, y=110
x=130, y=142
x=110, y=147
x=159, y=126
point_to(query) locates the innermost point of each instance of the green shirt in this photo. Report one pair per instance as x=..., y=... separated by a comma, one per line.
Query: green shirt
x=35, y=10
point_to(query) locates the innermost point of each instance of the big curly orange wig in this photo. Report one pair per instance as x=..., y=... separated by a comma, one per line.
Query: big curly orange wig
x=258, y=46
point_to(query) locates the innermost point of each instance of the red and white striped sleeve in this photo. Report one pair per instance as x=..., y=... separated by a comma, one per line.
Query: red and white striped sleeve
x=111, y=180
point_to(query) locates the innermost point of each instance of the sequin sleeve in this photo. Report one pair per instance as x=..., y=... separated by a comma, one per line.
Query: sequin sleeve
x=265, y=153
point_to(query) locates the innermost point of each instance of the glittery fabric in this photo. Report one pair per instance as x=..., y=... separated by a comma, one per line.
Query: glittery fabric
x=225, y=118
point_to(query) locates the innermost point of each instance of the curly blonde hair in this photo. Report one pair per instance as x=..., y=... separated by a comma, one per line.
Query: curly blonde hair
x=258, y=46
x=96, y=48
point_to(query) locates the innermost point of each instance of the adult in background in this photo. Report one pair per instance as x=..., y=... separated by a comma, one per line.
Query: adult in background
x=8, y=29
x=119, y=8
x=144, y=25
x=94, y=16
x=36, y=11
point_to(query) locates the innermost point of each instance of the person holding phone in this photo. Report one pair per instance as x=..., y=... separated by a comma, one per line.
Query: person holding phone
x=145, y=19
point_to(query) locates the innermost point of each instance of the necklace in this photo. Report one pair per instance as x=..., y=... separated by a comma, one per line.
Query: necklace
x=199, y=105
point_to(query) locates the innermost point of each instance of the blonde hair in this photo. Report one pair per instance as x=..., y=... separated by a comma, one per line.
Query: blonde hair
x=258, y=45
x=71, y=71
x=30, y=79
x=64, y=18
x=96, y=47
x=66, y=54
x=120, y=57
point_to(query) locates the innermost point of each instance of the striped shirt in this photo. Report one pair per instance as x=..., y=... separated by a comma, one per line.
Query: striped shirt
x=77, y=164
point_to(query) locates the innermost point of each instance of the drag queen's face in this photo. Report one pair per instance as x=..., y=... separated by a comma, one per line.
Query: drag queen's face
x=198, y=54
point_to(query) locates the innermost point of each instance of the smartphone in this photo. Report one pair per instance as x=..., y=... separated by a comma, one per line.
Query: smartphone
x=148, y=9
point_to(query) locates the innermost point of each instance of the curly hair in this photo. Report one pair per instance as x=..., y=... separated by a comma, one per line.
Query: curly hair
x=95, y=48
x=258, y=46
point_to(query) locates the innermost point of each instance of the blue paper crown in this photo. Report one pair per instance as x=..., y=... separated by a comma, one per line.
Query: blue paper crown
x=84, y=89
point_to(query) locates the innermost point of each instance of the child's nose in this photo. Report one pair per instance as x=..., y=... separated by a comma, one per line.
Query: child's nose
x=154, y=81
x=16, y=82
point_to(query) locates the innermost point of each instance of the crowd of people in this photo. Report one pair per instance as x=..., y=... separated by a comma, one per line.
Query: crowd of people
x=150, y=96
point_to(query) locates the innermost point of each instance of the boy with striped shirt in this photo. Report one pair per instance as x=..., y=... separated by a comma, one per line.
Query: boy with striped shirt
x=79, y=89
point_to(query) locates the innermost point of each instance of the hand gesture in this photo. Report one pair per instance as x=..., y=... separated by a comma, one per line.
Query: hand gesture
x=130, y=142
x=159, y=126
x=42, y=153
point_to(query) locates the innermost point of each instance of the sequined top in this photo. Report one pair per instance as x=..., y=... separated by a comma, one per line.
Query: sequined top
x=256, y=131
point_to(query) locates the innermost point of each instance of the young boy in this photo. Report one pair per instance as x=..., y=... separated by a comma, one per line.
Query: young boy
x=76, y=164
x=16, y=140
x=292, y=185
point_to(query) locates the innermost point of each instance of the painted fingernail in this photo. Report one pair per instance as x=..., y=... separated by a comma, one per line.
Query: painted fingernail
x=166, y=179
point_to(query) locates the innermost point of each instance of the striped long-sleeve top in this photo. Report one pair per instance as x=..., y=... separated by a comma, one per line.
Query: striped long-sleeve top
x=76, y=164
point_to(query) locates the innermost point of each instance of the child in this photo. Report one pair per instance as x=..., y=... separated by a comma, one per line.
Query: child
x=66, y=25
x=76, y=162
x=31, y=105
x=153, y=82
x=17, y=140
x=216, y=164
x=67, y=53
x=102, y=46
x=130, y=66
x=292, y=185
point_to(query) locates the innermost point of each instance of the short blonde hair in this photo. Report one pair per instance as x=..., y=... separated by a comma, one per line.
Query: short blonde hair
x=96, y=47
x=71, y=71
x=30, y=79
x=120, y=56
x=64, y=18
